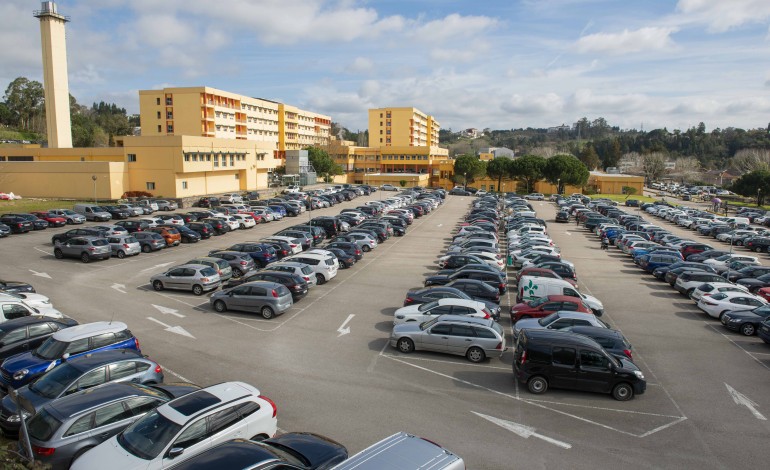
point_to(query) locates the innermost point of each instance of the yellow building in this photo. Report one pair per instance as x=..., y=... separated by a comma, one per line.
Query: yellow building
x=208, y=112
x=402, y=127
x=608, y=183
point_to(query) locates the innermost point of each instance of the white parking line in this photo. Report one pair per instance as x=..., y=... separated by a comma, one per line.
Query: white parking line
x=445, y=361
x=713, y=327
x=175, y=374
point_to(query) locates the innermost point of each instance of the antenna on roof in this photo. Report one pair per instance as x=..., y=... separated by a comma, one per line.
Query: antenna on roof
x=112, y=318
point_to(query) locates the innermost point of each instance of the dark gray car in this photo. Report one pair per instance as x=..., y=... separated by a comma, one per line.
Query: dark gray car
x=64, y=429
x=239, y=262
x=267, y=298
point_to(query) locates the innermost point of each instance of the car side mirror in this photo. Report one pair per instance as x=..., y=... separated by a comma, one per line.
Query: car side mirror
x=65, y=357
x=175, y=452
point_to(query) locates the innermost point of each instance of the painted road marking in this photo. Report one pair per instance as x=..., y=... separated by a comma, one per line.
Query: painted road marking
x=741, y=399
x=168, y=311
x=119, y=287
x=172, y=329
x=523, y=431
x=45, y=275
x=342, y=329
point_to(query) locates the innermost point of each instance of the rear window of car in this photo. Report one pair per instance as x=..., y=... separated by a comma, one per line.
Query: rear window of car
x=42, y=425
x=209, y=271
x=222, y=263
x=100, y=242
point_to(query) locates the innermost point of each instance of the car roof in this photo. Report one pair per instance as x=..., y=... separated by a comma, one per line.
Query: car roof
x=596, y=331
x=184, y=409
x=191, y=265
x=15, y=323
x=86, y=400
x=89, y=329
x=465, y=319
x=95, y=359
x=561, y=336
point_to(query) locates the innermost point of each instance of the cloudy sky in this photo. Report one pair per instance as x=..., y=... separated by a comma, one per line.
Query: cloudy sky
x=500, y=64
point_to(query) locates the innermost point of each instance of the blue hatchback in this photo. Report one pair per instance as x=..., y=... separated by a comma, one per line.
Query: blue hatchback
x=650, y=262
x=280, y=209
x=75, y=341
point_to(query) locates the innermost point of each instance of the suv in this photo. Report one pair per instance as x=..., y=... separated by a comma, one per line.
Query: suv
x=560, y=359
x=16, y=224
x=474, y=338
x=80, y=373
x=85, y=248
x=171, y=235
x=69, y=343
x=76, y=232
x=187, y=426
x=323, y=266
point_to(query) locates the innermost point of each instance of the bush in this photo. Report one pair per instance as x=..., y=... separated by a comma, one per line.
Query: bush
x=129, y=194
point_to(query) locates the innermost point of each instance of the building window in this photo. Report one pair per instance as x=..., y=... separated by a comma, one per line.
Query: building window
x=388, y=132
x=208, y=157
x=184, y=184
x=170, y=128
x=150, y=185
x=169, y=101
x=237, y=176
x=388, y=115
x=232, y=160
x=131, y=157
x=187, y=158
x=160, y=128
x=157, y=101
x=195, y=157
x=158, y=114
x=169, y=115
x=380, y=137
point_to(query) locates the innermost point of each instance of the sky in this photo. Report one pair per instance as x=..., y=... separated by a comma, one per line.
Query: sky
x=499, y=64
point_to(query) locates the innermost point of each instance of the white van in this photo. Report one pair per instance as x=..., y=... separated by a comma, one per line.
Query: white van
x=733, y=221
x=535, y=287
x=92, y=212
x=403, y=451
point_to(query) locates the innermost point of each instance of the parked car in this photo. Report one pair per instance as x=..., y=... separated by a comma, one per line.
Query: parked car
x=717, y=305
x=71, y=217
x=165, y=205
x=262, y=253
x=54, y=220
x=547, y=305
x=166, y=436
x=170, y=235
x=240, y=263
x=203, y=229
x=16, y=286
x=150, y=241
x=474, y=338
x=84, y=248
x=27, y=333
x=63, y=430
x=133, y=226
x=16, y=223
x=710, y=288
x=296, y=283
x=69, y=343
x=447, y=306
x=197, y=278
x=611, y=340
x=543, y=359
x=323, y=266
x=408, y=450
x=267, y=298
x=557, y=321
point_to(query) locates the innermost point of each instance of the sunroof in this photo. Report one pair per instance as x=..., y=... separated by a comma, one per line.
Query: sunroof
x=194, y=402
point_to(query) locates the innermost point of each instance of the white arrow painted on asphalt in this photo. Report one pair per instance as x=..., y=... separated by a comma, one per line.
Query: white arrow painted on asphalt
x=173, y=329
x=741, y=399
x=523, y=431
x=156, y=267
x=168, y=311
x=119, y=287
x=568, y=233
x=439, y=225
x=342, y=330
x=45, y=275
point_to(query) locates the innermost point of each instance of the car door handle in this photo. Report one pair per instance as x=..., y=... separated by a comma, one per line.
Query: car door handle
x=468, y=339
x=444, y=337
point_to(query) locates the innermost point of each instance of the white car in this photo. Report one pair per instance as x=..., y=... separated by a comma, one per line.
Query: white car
x=292, y=188
x=718, y=304
x=231, y=221
x=231, y=198
x=153, y=221
x=492, y=259
x=32, y=299
x=245, y=220
x=720, y=263
x=324, y=267
x=186, y=426
x=294, y=243
x=424, y=312
x=711, y=288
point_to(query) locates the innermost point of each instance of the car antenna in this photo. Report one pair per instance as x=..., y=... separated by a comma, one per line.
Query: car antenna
x=112, y=318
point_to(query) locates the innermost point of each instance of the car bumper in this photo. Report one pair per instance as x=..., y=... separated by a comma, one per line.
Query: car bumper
x=640, y=387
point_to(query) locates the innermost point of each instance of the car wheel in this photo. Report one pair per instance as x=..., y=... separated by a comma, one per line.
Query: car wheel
x=266, y=312
x=197, y=290
x=756, y=249
x=121, y=254
x=320, y=279
x=146, y=248
x=475, y=355
x=220, y=306
x=157, y=285
x=405, y=345
x=366, y=248
x=58, y=254
x=721, y=314
x=537, y=385
x=237, y=272
x=85, y=258
x=70, y=222
x=748, y=329
x=622, y=392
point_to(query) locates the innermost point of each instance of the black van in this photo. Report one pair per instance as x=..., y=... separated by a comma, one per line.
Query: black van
x=558, y=359
x=330, y=225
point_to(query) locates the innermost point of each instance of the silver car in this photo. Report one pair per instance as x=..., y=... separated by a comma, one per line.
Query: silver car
x=474, y=338
x=267, y=298
x=85, y=248
x=133, y=210
x=221, y=266
x=197, y=278
x=300, y=269
x=124, y=245
x=164, y=205
x=69, y=215
x=240, y=263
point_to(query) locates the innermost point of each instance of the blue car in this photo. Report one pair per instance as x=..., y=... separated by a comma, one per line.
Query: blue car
x=262, y=253
x=650, y=262
x=280, y=209
x=75, y=341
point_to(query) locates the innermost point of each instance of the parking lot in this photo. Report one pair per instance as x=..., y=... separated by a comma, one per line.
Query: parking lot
x=328, y=366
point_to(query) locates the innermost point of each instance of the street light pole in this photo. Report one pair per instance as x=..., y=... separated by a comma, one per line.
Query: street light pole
x=93, y=177
x=558, y=186
x=465, y=181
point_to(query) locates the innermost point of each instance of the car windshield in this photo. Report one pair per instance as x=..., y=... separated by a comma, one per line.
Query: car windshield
x=52, y=384
x=51, y=349
x=427, y=324
x=538, y=302
x=428, y=306
x=763, y=310
x=148, y=436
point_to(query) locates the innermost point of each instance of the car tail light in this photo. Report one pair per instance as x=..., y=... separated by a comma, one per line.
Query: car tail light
x=307, y=278
x=502, y=285
x=136, y=343
x=499, y=346
x=627, y=352
x=158, y=369
x=125, y=245
x=244, y=263
x=275, y=294
x=45, y=451
x=272, y=403
x=91, y=248
x=523, y=358
x=408, y=300
x=486, y=313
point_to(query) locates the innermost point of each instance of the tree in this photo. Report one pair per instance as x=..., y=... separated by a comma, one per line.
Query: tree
x=498, y=169
x=589, y=157
x=629, y=191
x=654, y=166
x=688, y=168
x=111, y=119
x=469, y=167
x=528, y=168
x=24, y=99
x=564, y=170
x=322, y=163
x=748, y=160
x=753, y=184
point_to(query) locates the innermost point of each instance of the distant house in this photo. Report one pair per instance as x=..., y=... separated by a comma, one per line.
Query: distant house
x=489, y=153
x=562, y=128
x=470, y=132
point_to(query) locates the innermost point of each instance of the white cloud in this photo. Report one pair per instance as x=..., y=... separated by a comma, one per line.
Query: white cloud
x=452, y=27
x=360, y=65
x=721, y=15
x=643, y=39
x=549, y=103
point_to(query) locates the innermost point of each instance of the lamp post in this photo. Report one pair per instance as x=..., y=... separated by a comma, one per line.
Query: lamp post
x=465, y=181
x=93, y=177
x=759, y=190
x=558, y=185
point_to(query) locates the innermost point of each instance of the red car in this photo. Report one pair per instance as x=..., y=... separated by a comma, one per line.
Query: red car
x=257, y=217
x=52, y=219
x=542, y=272
x=764, y=293
x=695, y=248
x=547, y=305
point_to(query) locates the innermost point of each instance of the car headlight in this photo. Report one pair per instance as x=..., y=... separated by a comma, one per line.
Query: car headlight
x=733, y=320
x=14, y=418
x=20, y=374
x=639, y=375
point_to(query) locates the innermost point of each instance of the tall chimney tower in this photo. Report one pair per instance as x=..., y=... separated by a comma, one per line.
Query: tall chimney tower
x=57, y=95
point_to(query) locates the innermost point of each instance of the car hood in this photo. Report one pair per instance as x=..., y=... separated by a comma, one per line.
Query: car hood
x=406, y=328
x=527, y=323
x=593, y=302
x=627, y=364
x=30, y=400
x=520, y=306
x=110, y=451
x=27, y=361
x=408, y=310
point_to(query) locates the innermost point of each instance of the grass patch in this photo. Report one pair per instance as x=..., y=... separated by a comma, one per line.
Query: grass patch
x=8, y=134
x=29, y=205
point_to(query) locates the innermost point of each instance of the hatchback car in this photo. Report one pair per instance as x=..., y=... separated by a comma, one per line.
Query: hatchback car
x=84, y=248
x=267, y=298
x=197, y=278
x=171, y=235
x=221, y=266
x=71, y=217
x=474, y=338
x=185, y=427
x=546, y=305
x=240, y=263
x=557, y=321
x=27, y=333
x=63, y=430
x=124, y=245
x=64, y=344
x=296, y=284
x=79, y=373
x=300, y=269
x=201, y=228
x=150, y=241
x=54, y=220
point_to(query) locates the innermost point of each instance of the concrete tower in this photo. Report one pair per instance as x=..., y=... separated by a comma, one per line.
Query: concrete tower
x=57, y=95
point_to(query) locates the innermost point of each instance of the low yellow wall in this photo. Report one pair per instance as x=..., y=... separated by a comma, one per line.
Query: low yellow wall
x=64, y=179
